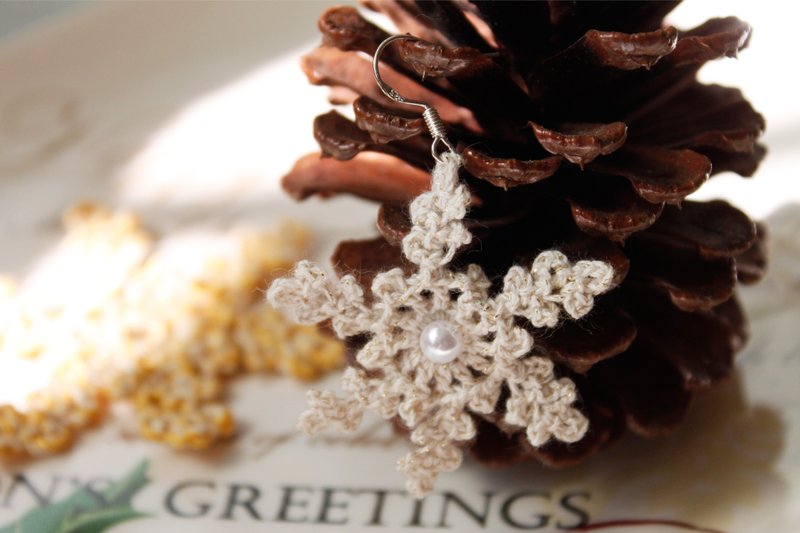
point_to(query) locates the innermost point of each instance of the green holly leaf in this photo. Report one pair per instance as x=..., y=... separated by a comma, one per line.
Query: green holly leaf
x=86, y=511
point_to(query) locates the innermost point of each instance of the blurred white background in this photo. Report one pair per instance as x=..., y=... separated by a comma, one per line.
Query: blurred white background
x=764, y=72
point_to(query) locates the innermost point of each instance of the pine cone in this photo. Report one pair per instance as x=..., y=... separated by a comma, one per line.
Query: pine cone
x=581, y=139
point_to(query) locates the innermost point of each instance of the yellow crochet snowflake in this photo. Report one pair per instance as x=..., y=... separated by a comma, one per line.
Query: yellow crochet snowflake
x=152, y=332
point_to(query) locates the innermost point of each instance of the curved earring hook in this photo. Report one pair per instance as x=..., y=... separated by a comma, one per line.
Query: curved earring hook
x=382, y=85
x=429, y=114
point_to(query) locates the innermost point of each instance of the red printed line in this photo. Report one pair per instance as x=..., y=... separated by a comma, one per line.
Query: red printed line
x=632, y=523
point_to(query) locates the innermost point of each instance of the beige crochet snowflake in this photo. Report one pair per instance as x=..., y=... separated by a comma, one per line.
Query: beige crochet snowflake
x=440, y=347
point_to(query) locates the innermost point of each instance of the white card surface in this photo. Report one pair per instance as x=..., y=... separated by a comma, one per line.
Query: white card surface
x=190, y=114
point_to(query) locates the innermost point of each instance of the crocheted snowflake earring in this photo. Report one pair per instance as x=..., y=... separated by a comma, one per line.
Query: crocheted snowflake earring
x=441, y=348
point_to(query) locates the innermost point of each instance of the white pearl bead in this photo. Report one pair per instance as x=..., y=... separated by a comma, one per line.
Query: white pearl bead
x=440, y=342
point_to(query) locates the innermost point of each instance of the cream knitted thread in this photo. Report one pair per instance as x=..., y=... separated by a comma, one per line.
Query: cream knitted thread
x=435, y=400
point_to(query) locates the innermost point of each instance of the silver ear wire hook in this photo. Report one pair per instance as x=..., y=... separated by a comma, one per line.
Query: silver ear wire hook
x=429, y=114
